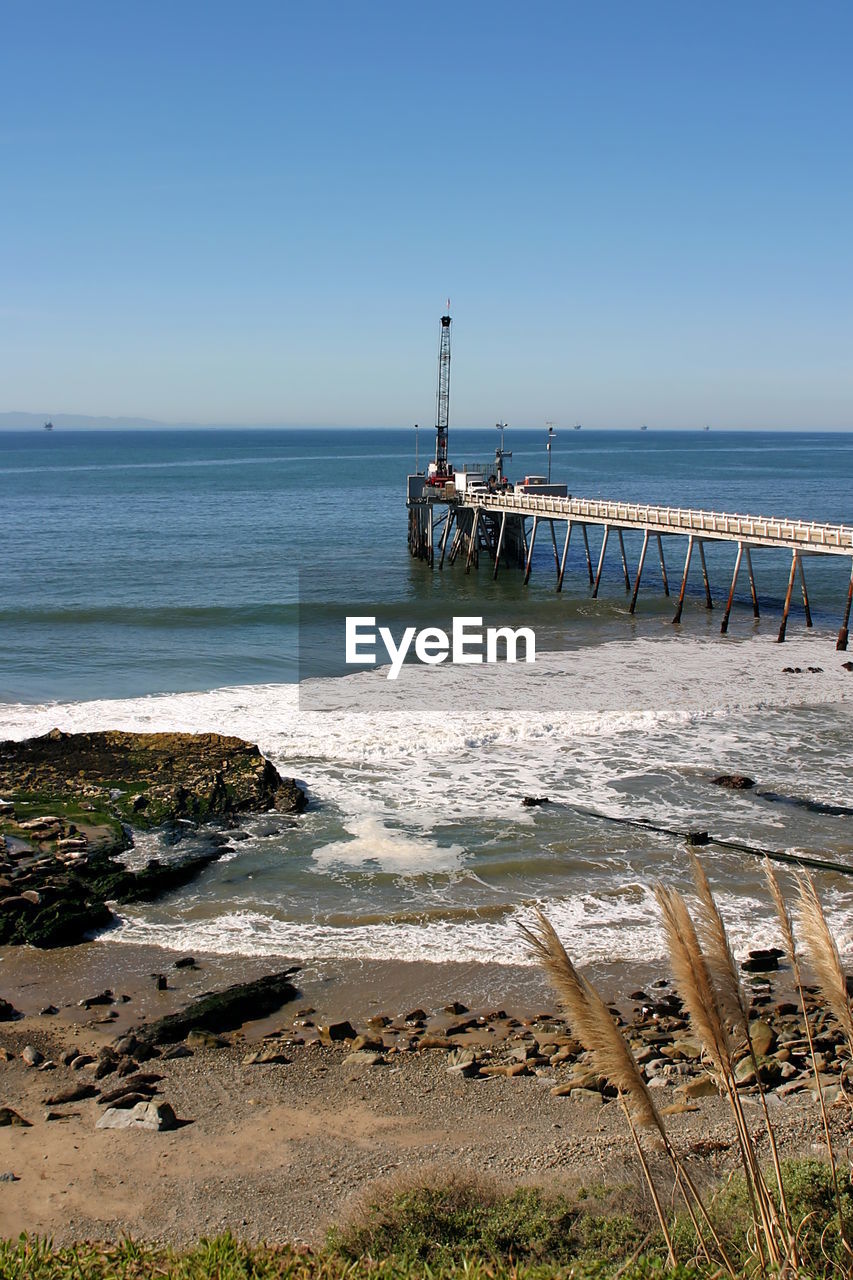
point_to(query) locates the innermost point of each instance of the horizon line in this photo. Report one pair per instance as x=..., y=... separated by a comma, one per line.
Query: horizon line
x=131, y=424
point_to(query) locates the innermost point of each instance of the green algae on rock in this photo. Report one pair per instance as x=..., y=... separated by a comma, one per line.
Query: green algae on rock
x=70, y=801
x=148, y=778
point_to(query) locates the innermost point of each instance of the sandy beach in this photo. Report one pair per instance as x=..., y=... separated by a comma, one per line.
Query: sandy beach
x=278, y=1150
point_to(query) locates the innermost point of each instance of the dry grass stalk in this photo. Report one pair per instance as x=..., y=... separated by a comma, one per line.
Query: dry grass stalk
x=786, y=924
x=823, y=956
x=787, y=927
x=584, y=1006
x=545, y=946
x=650, y=1182
x=591, y=1022
x=708, y=981
x=725, y=977
x=611, y=1056
x=693, y=981
x=696, y=988
x=719, y=958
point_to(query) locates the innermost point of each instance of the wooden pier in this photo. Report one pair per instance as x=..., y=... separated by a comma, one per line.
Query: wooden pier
x=444, y=525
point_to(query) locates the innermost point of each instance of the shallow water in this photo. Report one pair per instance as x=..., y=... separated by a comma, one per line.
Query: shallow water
x=151, y=582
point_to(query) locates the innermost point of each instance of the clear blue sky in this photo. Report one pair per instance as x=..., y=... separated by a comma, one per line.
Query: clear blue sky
x=254, y=212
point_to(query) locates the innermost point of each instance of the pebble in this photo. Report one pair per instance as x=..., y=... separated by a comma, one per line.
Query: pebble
x=72, y=1095
x=363, y=1058
x=701, y=1087
x=269, y=1054
x=177, y=1051
x=589, y=1097
x=200, y=1039
x=763, y=1038
x=335, y=1031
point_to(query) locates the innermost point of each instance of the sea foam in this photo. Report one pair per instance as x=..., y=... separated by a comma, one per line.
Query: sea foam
x=627, y=728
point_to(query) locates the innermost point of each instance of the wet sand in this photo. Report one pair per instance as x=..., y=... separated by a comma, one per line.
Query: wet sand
x=356, y=989
x=278, y=1150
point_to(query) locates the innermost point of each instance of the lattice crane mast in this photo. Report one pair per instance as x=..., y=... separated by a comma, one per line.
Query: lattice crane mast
x=442, y=399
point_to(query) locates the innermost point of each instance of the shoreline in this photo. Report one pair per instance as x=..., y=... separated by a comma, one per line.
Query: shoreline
x=276, y=1147
x=32, y=979
x=279, y=1122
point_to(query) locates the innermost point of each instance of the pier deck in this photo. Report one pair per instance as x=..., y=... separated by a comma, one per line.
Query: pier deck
x=765, y=531
x=497, y=523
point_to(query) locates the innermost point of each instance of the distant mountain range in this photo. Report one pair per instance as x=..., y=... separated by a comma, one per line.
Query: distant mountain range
x=82, y=421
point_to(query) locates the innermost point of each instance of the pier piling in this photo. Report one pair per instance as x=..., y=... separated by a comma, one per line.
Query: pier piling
x=805, y=591
x=588, y=556
x=709, y=603
x=472, y=540
x=633, y=604
x=554, y=544
x=624, y=562
x=500, y=545
x=497, y=522
x=564, y=555
x=451, y=516
x=752, y=584
x=724, y=625
x=783, y=626
x=530, y=550
x=604, y=538
x=663, y=567
x=841, y=642
x=680, y=605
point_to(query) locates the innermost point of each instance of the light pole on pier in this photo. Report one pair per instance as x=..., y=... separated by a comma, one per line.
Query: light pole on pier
x=501, y=452
x=551, y=434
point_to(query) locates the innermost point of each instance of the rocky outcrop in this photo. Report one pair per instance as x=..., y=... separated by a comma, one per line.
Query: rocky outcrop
x=155, y=1117
x=734, y=782
x=224, y=1010
x=71, y=901
x=148, y=778
x=70, y=802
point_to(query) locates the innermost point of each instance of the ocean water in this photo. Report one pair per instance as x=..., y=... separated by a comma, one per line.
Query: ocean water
x=184, y=580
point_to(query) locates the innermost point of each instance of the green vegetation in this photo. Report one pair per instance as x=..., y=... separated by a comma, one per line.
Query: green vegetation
x=32, y=804
x=474, y=1229
x=72, y=800
x=227, y=1259
x=434, y=1223
x=146, y=778
x=812, y=1205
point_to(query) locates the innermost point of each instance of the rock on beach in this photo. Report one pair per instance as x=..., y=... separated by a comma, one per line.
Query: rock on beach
x=71, y=802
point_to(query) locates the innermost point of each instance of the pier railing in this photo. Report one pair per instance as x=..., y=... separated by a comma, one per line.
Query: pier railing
x=769, y=531
x=491, y=521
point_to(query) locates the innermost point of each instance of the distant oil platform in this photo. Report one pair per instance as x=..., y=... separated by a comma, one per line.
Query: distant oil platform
x=476, y=510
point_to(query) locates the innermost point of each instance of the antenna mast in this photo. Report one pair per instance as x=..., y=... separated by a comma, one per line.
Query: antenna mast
x=501, y=453
x=442, y=400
